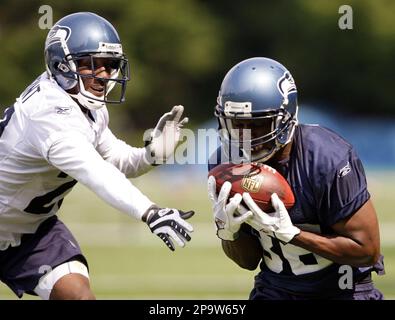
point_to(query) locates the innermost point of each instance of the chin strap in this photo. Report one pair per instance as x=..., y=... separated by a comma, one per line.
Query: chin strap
x=88, y=103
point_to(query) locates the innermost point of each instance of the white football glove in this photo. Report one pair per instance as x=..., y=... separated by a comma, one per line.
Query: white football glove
x=277, y=222
x=161, y=142
x=169, y=224
x=228, y=225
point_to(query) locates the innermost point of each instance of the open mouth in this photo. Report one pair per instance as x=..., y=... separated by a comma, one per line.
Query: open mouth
x=97, y=91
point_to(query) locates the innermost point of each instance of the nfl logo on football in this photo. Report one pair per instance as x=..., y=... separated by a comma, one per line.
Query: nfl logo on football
x=252, y=183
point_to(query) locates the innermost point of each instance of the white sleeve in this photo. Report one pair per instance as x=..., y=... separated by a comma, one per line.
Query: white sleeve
x=74, y=155
x=127, y=159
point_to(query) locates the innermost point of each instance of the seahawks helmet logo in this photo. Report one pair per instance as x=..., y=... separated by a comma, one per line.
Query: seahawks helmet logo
x=286, y=85
x=57, y=34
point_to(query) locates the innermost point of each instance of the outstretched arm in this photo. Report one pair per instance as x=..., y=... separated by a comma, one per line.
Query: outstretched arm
x=129, y=160
x=77, y=157
x=160, y=144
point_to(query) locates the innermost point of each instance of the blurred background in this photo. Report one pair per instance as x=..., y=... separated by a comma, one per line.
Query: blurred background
x=179, y=51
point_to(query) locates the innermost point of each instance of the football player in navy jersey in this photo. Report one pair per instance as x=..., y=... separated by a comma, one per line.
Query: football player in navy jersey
x=327, y=245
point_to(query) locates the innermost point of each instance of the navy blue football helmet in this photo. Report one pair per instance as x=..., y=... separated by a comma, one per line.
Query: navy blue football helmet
x=256, y=109
x=82, y=37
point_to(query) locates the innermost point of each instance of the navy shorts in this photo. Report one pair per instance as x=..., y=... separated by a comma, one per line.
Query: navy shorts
x=52, y=244
x=365, y=291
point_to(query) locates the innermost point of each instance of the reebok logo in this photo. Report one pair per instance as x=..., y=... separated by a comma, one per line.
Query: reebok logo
x=345, y=170
x=63, y=110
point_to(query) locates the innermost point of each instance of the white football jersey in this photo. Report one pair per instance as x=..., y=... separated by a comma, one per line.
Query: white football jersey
x=47, y=144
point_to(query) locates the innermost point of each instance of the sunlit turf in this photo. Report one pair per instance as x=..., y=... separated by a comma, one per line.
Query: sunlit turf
x=128, y=262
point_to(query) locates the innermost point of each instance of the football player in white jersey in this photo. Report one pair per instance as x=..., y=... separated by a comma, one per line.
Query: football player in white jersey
x=56, y=134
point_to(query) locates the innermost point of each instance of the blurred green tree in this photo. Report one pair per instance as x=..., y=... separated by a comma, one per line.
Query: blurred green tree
x=179, y=51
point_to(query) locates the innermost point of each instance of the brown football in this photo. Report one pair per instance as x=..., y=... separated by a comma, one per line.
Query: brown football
x=259, y=180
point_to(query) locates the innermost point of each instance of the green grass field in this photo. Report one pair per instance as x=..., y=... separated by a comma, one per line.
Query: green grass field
x=128, y=262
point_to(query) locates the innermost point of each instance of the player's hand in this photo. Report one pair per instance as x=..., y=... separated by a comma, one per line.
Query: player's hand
x=169, y=225
x=277, y=222
x=226, y=221
x=161, y=142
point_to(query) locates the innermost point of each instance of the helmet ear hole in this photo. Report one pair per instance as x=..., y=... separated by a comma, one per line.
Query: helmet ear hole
x=56, y=65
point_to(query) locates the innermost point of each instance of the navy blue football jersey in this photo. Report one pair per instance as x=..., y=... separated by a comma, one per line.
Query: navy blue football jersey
x=329, y=184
